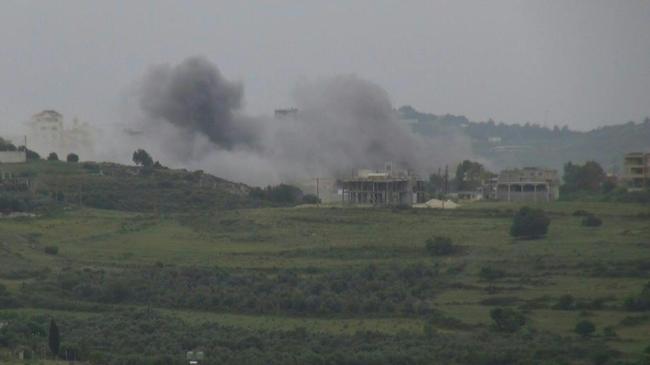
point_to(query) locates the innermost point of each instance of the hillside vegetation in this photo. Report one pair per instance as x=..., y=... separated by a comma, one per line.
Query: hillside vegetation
x=330, y=285
x=534, y=145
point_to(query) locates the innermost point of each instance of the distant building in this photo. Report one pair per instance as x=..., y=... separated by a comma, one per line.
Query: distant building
x=13, y=157
x=48, y=133
x=636, y=171
x=528, y=184
x=389, y=186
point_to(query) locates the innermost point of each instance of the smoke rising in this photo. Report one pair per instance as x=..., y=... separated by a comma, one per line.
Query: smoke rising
x=195, y=96
x=190, y=116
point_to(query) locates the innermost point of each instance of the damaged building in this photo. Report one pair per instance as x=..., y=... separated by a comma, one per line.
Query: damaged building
x=529, y=184
x=390, y=186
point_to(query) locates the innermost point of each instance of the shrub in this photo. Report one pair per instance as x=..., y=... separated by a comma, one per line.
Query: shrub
x=51, y=250
x=507, y=319
x=581, y=213
x=72, y=157
x=529, y=223
x=490, y=274
x=639, y=302
x=52, y=156
x=591, y=221
x=311, y=199
x=440, y=246
x=585, y=328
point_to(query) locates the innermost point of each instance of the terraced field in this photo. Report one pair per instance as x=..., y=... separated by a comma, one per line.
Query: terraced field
x=333, y=273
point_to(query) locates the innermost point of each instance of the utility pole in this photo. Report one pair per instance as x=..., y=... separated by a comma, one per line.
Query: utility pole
x=446, y=179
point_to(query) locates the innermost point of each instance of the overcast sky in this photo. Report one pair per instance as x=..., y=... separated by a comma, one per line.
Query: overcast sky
x=581, y=63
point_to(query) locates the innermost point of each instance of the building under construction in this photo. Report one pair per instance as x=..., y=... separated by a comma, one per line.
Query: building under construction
x=389, y=186
x=528, y=184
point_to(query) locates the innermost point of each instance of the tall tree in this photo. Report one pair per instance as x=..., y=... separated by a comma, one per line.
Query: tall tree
x=470, y=175
x=53, y=338
x=142, y=158
x=587, y=177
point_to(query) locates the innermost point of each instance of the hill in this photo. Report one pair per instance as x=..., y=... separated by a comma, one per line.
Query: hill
x=326, y=286
x=515, y=145
x=121, y=187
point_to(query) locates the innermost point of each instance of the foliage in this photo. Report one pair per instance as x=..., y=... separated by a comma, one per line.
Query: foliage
x=507, y=319
x=591, y=220
x=640, y=302
x=588, y=177
x=440, y=246
x=72, y=157
x=142, y=158
x=51, y=250
x=529, y=223
x=6, y=145
x=279, y=195
x=53, y=338
x=52, y=156
x=311, y=199
x=585, y=328
x=491, y=274
x=470, y=175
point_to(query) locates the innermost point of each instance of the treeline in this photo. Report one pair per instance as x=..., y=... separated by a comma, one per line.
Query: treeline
x=404, y=291
x=147, y=337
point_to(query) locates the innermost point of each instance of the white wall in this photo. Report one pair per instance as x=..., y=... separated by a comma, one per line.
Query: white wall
x=13, y=157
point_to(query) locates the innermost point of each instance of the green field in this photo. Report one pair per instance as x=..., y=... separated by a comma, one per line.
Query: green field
x=142, y=257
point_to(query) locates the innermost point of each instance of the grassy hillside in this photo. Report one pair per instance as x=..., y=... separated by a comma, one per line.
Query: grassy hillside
x=252, y=285
x=129, y=188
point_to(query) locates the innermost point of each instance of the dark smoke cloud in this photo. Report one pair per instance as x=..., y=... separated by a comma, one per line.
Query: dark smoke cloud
x=195, y=96
x=191, y=117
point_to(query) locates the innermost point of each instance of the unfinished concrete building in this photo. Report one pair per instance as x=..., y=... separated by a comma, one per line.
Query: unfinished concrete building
x=529, y=184
x=636, y=171
x=389, y=186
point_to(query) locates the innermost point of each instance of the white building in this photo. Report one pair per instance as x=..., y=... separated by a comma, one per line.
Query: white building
x=48, y=133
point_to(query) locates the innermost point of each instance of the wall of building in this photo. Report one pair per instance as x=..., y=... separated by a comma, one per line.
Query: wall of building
x=13, y=157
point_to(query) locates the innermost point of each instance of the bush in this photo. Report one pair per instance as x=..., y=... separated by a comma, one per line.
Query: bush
x=440, y=246
x=507, y=319
x=490, y=274
x=52, y=156
x=72, y=157
x=529, y=223
x=581, y=213
x=311, y=199
x=51, y=250
x=585, y=328
x=591, y=221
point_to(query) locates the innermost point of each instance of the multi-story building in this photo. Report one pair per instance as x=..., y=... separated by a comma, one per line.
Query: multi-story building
x=636, y=171
x=47, y=133
x=389, y=186
x=528, y=184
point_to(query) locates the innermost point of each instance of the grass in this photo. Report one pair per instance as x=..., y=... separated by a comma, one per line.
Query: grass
x=326, y=239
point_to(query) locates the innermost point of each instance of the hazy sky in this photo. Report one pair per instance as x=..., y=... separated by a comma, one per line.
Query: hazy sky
x=581, y=63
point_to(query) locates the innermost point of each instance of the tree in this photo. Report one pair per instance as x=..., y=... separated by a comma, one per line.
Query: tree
x=591, y=220
x=507, y=319
x=470, y=175
x=52, y=156
x=588, y=177
x=529, y=223
x=585, y=328
x=72, y=157
x=440, y=246
x=142, y=158
x=53, y=338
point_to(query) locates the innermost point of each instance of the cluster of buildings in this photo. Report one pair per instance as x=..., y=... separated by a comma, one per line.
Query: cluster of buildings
x=394, y=186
